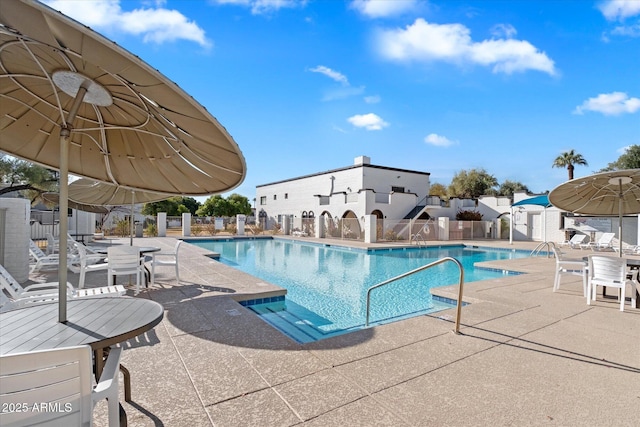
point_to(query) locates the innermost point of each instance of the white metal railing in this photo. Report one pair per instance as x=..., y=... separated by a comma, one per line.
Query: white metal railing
x=417, y=270
x=538, y=249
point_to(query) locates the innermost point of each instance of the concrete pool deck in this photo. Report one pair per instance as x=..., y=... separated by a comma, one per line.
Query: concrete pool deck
x=525, y=356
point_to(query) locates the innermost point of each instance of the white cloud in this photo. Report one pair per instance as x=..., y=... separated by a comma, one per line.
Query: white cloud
x=383, y=8
x=368, y=121
x=332, y=74
x=438, y=140
x=452, y=43
x=627, y=30
x=503, y=30
x=623, y=150
x=259, y=7
x=373, y=99
x=610, y=104
x=154, y=24
x=342, y=93
x=619, y=9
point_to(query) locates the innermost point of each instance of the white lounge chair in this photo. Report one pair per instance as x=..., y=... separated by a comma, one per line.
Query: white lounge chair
x=40, y=260
x=611, y=271
x=604, y=242
x=171, y=260
x=40, y=292
x=574, y=242
x=568, y=266
x=62, y=377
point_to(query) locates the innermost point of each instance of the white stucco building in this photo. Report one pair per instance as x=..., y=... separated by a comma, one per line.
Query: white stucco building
x=349, y=192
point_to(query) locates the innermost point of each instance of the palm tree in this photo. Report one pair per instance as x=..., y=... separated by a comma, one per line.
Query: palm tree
x=567, y=160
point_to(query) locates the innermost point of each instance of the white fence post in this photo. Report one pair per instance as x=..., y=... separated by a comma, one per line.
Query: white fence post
x=186, y=224
x=162, y=224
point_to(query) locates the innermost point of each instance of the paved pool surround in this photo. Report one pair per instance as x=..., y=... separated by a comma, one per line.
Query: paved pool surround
x=525, y=356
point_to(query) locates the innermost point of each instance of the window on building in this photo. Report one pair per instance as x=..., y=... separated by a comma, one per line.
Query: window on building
x=263, y=200
x=397, y=189
x=286, y=195
x=275, y=197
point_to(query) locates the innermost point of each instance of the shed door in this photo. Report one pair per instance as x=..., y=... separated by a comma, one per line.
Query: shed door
x=535, y=221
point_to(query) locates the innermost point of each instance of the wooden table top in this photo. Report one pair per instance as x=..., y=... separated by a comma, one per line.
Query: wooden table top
x=98, y=322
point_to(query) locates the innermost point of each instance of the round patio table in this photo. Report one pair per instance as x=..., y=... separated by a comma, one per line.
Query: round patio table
x=97, y=322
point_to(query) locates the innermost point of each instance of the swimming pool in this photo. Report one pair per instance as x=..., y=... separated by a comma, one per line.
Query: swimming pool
x=327, y=285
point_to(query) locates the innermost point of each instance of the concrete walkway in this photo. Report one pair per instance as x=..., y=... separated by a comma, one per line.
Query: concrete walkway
x=526, y=356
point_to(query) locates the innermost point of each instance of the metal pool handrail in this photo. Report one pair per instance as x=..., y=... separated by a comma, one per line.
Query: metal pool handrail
x=424, y=267
x=538, y=249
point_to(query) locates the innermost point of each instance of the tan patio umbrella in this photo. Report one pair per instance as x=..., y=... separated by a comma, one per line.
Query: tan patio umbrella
x=73, y=100
x=603, y=194
x=54, y=198
x=102, y=193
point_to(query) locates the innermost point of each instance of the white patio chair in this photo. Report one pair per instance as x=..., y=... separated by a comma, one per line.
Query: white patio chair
x=125, y=260
x=611, y=272
x=61, y=382
x=171, y=259
x=39, y=292
x=568, y=266
x=53, y=244
x=574, y=242
x=86, y=262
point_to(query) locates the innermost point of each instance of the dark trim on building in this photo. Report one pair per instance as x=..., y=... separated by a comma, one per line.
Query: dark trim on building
x=344, y=169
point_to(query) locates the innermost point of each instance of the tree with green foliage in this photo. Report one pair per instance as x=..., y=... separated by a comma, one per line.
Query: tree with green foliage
x=190, y=203
x=173, y=206
x=29, y=179
x=630, y=159
x=472, y=184
x=567, y=160
x=219, y=206
x=439, y=190
x=507, y=188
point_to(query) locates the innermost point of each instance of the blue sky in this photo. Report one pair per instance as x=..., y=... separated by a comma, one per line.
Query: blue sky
x=437, y=86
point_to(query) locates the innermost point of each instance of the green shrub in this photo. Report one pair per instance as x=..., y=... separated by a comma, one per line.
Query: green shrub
x=468, y=216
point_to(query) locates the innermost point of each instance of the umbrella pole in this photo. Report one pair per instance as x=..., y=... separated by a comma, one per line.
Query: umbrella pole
x=65, y=134
x=62, y=238
x=131, y=219
x=620, y=217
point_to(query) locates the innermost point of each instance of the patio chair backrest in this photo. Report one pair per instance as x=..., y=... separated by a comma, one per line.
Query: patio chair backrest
x=35, y=251
x=61, y=376
x=8, y=284
x=606, y=238
x=123, y=258
x=608, y=269
x=577, y=239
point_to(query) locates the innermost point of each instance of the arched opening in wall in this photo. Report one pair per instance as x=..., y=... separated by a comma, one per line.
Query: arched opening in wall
x=379, y=223
x=350, y=227
x=308, y=224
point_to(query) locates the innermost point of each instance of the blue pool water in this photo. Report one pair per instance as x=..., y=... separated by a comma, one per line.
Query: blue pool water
x=327, y=285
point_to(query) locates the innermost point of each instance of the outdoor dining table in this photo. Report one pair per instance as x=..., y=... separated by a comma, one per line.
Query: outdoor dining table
x=81, y=236
x=97, y=322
